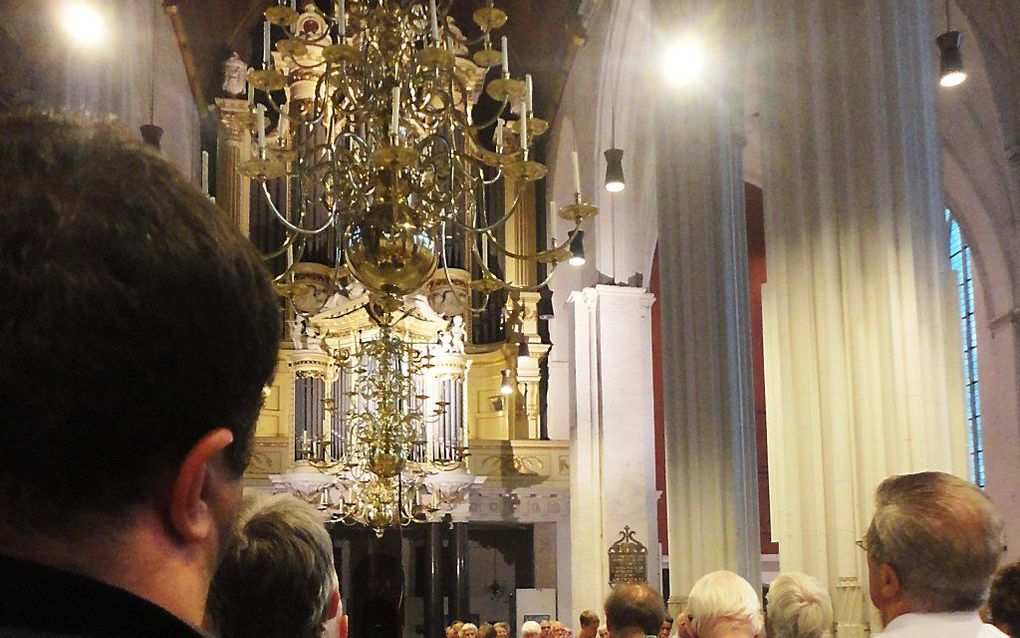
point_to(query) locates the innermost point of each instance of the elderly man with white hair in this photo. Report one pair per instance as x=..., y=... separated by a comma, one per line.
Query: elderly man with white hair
x=723, y=605
x=933, y=546
x=798, y=606
x=531, y=629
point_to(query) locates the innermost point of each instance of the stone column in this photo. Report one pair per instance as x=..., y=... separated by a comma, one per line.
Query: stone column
x=612, y=472
x=460, y=605
x=233, y=146
x=434, y=587
x=862, y=345
x=711, y=475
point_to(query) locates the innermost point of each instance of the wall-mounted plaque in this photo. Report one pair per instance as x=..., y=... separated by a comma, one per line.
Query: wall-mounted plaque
x=628, y=559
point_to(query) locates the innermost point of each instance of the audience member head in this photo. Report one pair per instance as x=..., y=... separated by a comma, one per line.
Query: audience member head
x=485, y=630
x=589, y=624
x=453, y=631
x=558, y=630
x=667, y=626
x=531, y=629
x=277, y=577
x=546, y=626
x=502, y=629
x=724, y=604
x=1004, y=600
x=468, y=630
x=603, y=631
x=933, y=545
x=634, y=609
x=798, y=606
x=137, y=331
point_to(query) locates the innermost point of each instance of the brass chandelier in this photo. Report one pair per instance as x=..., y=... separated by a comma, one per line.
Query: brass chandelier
x=375, y=145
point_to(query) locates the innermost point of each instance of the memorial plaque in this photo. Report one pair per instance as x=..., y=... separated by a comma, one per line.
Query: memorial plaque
x=628, y=559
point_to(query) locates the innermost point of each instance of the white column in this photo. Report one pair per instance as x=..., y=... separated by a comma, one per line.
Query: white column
x=862, y=345
x=711, y=463
x=612, y=470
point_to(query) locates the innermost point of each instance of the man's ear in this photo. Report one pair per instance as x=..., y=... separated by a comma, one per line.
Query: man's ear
x=341, y=627
x=190, y=514
x=333, y=606
x=888, y=581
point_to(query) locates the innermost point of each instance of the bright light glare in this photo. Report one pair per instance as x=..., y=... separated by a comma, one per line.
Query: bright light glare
x=953, y=79
x=615, y=187
x=576, y=261
x=83, y=23
x=684, y=62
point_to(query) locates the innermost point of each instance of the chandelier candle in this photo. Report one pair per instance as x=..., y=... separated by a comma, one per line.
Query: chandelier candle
x=435, y=22
x=260, y=114
x=577, y=172
x=529, y=91
x=341, y=18
x=499, y=134
x=395, y=113
x=505, y=57
x=205, y=172
x=524, y=128
x=265, y=45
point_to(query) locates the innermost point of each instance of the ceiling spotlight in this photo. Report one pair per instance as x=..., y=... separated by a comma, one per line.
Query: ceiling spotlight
x=684, y=62
x=614, y=163
x=614, y=170
x=505, y=385
x=84, y=23
x=951, y=58
x=523, y=350
x=576, y=248
x=545, y=307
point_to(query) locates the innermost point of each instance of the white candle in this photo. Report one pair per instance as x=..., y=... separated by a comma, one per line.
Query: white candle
x=435, y=22
x=577, y=172
x=529, y=93
x=341, y=14
x=485, y=250
x=251, y=93
x=265, y=45
x=551, y=231
x=260, y=114
x=304, y=440
x=283, y=128
x=395, y=112
x=524, y=128
x=499, y=133
x=205, y=172
x=505, y=57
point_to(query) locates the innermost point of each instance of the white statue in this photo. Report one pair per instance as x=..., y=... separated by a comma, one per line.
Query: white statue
x=235, y=72
x=453, y=339
x=458, y=334
x=297, y=332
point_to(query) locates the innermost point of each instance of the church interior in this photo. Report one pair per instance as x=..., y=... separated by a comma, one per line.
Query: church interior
x=576, y=292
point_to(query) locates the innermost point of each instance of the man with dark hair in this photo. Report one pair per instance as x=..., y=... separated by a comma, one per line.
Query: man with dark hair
x=1004, y=600
x=137, y=333
x=667, y=626
x=933, y=545
x=634, y=610
x=589, y=622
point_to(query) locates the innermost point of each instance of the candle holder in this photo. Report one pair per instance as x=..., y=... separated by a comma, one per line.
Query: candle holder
x=579, y=211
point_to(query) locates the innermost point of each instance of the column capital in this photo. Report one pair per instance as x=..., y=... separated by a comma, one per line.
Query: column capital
x=234, y=117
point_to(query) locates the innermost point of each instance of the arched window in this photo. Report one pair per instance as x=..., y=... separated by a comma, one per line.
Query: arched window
x=959, y=259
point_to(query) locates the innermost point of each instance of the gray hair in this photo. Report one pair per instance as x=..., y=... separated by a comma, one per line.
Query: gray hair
x=941, y=535
x=798, y=607
x=724, y=597
x=277, y=576
x=531, y=628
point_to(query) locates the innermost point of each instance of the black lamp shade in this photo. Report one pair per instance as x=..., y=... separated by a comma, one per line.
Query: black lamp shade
x=951, y=71
x=577, y=247
x=614, y=170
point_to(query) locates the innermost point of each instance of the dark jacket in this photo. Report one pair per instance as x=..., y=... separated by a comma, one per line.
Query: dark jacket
x=37, y=601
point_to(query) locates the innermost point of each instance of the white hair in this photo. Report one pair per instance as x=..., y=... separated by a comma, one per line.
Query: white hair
x=724, y=596
x=798, y=606
x=531, y=628
x=468, y=626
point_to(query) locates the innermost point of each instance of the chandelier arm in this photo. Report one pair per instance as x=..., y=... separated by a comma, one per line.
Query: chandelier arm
x=297, y=229
x=466, y=303
x=530, y=256
x=496, y=224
